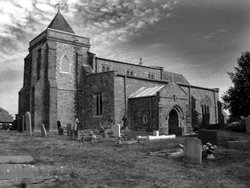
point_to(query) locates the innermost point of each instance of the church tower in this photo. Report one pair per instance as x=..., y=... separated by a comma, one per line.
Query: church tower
x=52, y=75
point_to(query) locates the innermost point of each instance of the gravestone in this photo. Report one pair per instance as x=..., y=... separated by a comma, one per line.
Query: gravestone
x=22, y=123
x=155, y=133
x=60, y=131
x=207, y=136
x=247, y=124
x=28, y=122
x=43, y=131
x=86, y=135
x=116, y=129
x=69, y=129
x=193, y=150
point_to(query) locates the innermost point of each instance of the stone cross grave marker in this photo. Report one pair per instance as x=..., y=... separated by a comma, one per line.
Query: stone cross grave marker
x=248, y=124
x=193, y=150
x=43, y=131
x=28, y=122
x=116, y=129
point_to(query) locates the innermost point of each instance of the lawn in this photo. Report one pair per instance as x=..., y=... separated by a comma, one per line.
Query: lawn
x=60, y=162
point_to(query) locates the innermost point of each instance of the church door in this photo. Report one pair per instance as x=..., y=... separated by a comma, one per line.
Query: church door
x=173, y=121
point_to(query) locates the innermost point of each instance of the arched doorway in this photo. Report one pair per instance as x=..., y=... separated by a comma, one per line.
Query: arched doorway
x=173, y=120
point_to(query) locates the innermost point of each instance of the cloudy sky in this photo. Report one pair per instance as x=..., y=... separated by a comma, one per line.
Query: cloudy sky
x=200, y=39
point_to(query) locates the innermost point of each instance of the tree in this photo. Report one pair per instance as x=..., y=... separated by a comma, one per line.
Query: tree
x=237, y=98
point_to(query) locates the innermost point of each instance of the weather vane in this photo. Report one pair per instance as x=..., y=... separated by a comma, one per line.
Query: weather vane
x=58, y=5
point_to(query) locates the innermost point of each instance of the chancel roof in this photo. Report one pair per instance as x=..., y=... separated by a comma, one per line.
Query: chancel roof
x=174, y=77
x=59, y=23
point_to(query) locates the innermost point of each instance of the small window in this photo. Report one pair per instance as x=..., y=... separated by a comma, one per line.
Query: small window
x=174, y=97
x=145, y=119
x=65, y=65
x=131, y=73
x=151, y=76
x=38, y=60
x=103, y=68
x=98, y=99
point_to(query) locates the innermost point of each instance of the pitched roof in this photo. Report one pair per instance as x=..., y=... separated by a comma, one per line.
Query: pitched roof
x=59, y=23
x=178, y=78
x=5, y=116
x=146, y=92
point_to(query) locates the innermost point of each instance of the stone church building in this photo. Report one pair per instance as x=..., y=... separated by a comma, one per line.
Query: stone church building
x=63, y=81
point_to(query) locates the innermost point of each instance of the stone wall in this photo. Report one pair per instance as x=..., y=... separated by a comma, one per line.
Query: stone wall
x=172, y=96
x=122, y=68
x=197, y=95
x=124, y=87
x=66, y=84
x=101, y=83
x=143, y=113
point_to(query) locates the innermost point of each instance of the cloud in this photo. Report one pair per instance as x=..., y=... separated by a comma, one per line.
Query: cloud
x=105, y=22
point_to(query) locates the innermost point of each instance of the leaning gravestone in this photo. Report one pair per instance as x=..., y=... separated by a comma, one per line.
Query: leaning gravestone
x=207, y=136
x=247, y=124
x=116, y=129
x=28, y=122
x=43, y=131
x=193, y=150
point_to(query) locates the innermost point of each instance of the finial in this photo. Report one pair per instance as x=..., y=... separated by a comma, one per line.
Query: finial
x=140, y=61
x=58, y=5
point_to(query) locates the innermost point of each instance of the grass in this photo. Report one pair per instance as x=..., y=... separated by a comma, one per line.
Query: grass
x=107, y=164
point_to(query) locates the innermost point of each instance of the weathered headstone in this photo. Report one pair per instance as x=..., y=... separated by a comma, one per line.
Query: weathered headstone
x=60, y=131
x=193, y=150
x=22, y=123
x=68, y=129
x=43, y=131
x=116, y=129
x=247, y=124
x=155, y=133
x=207, y=136
x=28, y=122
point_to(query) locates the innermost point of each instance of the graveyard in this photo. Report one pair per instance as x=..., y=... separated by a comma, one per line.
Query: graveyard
x=60, y=161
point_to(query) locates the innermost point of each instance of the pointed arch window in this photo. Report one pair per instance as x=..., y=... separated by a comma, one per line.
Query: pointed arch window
x=65, y=65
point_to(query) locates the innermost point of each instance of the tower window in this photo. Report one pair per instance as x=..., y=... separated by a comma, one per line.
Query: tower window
x=65, y=65
x=151, y=76
x=130, y=73
x=99, y=108
x=38, y=60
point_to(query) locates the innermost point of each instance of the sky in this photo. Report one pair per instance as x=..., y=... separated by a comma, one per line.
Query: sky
x=200, y=39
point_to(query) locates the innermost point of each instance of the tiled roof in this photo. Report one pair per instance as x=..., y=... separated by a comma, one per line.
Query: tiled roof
x=146, y=92
x=178, y=78
x=59, y=23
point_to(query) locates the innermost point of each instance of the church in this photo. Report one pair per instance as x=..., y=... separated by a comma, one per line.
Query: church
x=63, y=81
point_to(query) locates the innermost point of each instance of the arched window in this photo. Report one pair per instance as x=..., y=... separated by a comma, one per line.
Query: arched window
x=103, y=68
x=145, y=119
x=65, y=65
